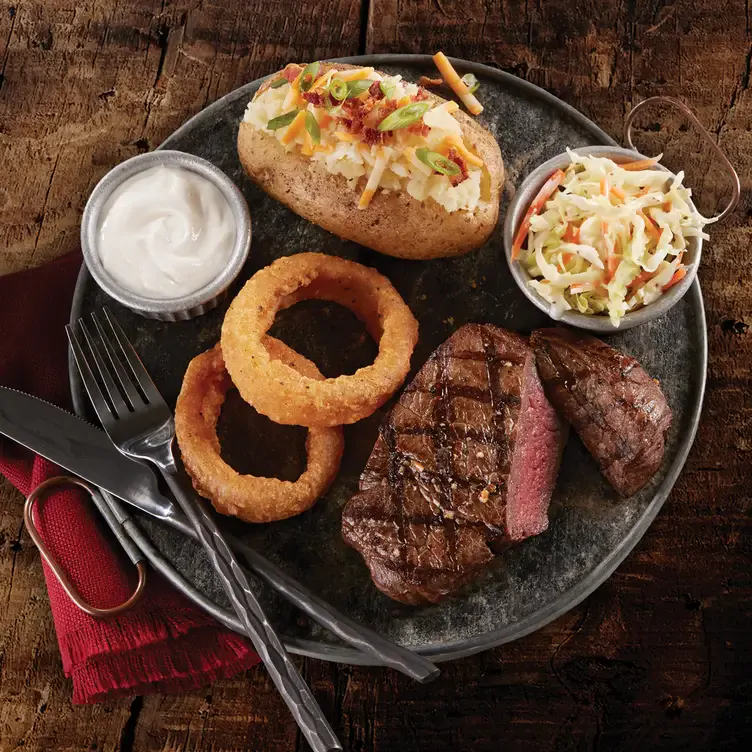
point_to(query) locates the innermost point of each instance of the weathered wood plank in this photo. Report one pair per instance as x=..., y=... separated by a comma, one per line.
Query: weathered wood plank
x=88, y=84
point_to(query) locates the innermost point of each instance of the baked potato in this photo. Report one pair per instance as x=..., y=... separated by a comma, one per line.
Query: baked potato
x=373, y=159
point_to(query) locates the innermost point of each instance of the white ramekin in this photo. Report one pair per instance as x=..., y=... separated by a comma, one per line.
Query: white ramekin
x=188, y=306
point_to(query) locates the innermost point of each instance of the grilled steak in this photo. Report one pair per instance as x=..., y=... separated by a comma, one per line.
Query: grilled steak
x=466, y=460
x=619, y=412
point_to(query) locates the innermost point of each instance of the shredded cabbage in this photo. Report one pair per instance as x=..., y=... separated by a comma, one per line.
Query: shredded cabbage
x=610, y=240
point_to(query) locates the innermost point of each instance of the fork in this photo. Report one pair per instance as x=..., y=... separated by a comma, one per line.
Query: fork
x=141, y=425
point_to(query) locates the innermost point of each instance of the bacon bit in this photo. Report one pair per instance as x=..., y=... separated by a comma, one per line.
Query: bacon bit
x=427, y=81
x=571, y=234
x=314, y=98
x=420, y=95
x=420, y=129
x=373, y=136
x=679, y=274
x=291, y=72
x=375, y=90
x=454, y=155
x=353, y=125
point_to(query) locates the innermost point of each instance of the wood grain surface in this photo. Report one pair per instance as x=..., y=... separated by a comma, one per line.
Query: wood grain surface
x=660, y=657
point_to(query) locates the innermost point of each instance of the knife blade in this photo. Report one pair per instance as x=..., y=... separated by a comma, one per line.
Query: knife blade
x=80, y=448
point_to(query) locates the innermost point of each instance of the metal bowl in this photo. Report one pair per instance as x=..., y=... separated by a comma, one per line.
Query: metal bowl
x=188, y=306
x=594, y=322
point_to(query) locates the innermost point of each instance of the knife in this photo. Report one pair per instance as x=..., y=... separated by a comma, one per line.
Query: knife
x=86, y=451
x=80, y=448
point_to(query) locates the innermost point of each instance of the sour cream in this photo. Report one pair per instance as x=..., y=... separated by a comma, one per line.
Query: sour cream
x=166, y=233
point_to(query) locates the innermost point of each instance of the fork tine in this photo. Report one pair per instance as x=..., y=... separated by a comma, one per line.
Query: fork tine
x=121, y=409
x=123, y=374
x=126, y=348
x=101, y=406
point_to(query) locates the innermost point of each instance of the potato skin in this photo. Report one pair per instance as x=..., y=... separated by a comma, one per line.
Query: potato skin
x=394, y=224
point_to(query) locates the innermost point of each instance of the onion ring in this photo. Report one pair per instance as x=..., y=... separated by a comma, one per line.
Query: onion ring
x=253, y=499
x=280, y=392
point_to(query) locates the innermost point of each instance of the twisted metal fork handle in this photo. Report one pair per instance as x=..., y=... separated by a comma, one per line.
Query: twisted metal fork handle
x=282, y=670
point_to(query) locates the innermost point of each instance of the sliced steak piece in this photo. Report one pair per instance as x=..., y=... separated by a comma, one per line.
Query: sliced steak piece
x=467, y=459
x=619, y=412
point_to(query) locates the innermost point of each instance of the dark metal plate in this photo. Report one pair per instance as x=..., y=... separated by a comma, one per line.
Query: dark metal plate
x=591, y=530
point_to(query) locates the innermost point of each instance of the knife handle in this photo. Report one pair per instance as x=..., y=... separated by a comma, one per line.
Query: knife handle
x=282, y=670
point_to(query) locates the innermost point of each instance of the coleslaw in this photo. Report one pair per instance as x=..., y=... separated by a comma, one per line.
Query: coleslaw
x=604, y=238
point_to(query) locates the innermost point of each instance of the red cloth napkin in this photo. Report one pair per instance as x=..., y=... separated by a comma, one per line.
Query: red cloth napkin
x=164, y=644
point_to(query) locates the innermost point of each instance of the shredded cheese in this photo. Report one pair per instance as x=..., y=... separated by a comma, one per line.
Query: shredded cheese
x=468, y=156
x=293, y=98
x=350, y=138
x=449, y=107
x=307, y=149
x=455, y=82
x=323, y=79
x=415, y=162
x=294, y=129
x=354, y=75
x=382, y=160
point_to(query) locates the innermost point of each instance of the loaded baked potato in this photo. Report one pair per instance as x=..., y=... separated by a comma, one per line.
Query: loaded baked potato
x=373, y=159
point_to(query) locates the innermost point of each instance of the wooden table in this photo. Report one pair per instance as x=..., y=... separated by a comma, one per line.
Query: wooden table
x=660, y=657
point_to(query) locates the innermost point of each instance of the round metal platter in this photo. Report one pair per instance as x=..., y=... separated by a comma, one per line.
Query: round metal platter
x=591, y=530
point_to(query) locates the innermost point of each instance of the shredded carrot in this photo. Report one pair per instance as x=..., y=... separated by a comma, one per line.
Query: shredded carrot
x=612, y=264
x=537, y=203
x=643, y=191
x=642, y=277
x=666, y=206
x=640, y=164
x=571, y=234
x=651, y=227
x=679, y=274
x=618, y=192
x=604, y=186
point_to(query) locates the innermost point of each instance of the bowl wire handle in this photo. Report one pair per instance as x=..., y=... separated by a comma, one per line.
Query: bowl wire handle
x=735, y=187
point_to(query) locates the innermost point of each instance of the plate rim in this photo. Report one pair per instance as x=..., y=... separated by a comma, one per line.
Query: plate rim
x=570, y=598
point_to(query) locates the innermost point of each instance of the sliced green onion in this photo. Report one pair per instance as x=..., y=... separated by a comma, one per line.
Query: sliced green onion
x=312, y=127
x=437, y=162
x=471, y=82
x=281, y=81
x=356, y=88
x=338, y=89
x=404, y=116
x=387, y=88
x=308, y=76
x=282, y=121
